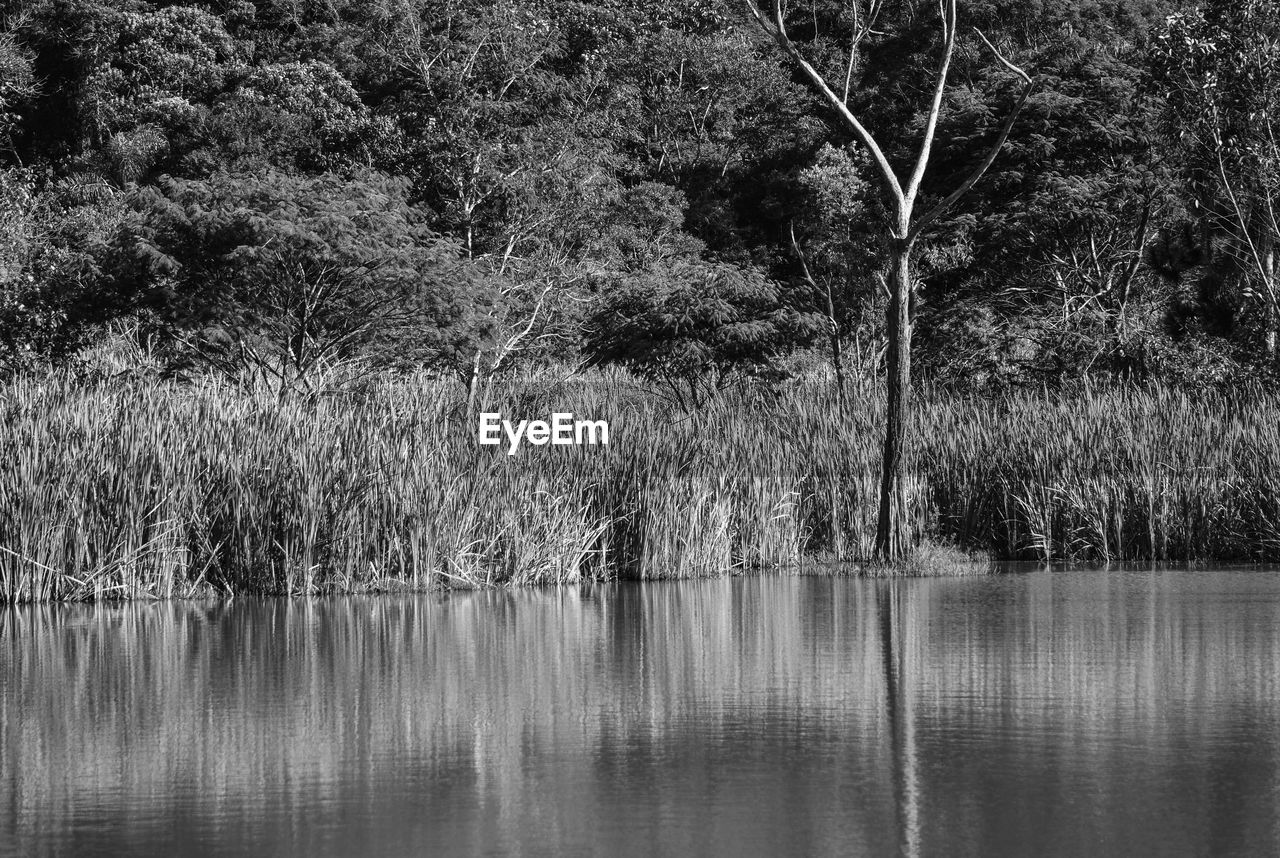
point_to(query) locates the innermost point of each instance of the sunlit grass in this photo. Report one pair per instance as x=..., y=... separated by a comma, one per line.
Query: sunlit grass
x=157, y=491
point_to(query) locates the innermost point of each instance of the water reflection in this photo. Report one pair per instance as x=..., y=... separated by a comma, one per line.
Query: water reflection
x=1081, y=713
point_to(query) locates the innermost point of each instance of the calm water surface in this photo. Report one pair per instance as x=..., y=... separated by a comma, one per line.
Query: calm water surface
x=1065, y=713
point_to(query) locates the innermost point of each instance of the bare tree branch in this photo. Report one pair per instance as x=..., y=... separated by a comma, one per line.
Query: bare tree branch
x=777, y=31
x=861, y=29
x=982, y=168
x=948, y=10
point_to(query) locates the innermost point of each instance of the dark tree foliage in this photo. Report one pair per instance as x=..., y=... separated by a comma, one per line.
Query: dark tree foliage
x=55, y=286
x=694, y=327
x=282, y=275
x=1220, y=68
x=558, y=178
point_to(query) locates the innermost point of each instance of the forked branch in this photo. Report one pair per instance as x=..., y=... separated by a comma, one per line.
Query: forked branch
x=947, y=8
x=777, y=30
x=862, y=27
x=904, y=198
x=1028, y=85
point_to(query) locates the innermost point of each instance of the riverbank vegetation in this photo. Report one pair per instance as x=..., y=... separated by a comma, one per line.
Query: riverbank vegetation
x=156, y=490
x=1062, y=214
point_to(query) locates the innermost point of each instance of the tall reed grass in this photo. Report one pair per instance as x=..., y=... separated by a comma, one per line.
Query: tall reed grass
x=152, y=490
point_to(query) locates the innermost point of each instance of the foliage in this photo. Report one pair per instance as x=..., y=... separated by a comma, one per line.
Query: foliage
x=1042, y=276
x=153, y=88
x=17, y=84
x=568, y=150
x=693, y=323
x=1221, y=65
x=312, y=115
x=54, y=293
x=284, y=275
x=839, y=253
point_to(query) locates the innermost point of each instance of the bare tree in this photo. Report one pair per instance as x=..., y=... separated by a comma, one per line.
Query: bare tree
x=905, y=229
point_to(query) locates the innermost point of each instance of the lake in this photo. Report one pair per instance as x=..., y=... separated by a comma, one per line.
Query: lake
x=1030, y=713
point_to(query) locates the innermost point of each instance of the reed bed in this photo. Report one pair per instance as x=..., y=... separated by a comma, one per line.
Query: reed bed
x=155, y=490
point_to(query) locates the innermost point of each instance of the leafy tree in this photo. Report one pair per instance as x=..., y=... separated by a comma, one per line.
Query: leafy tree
x=55, y=295
x=1221, y=64
x=510, y=143
x=297, y=115
x=149, y=93
x=700, y=105
x=64, y=40
x=1042, y=277
x=834, y=240
x=694, y=327
x=282, y=275
x=567, y=149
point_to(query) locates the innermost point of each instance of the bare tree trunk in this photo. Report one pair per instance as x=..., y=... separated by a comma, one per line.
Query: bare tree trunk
x=1269, y=271
x=837, y=359
x=473, y=383
x=891, y=536
x=1271, y=333
x=837, y=363
x=1124, y=287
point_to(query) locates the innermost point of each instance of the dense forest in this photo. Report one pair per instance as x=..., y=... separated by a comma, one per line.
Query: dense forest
x=476, y=186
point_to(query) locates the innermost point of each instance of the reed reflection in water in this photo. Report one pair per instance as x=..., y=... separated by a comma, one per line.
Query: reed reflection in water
x=1043, y=713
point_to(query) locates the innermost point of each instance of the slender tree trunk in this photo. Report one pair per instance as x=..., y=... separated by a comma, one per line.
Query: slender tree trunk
x=837, y=359
x=1273, y=322
x=1269, y=343
x=837, y=363
x=891, y=537
x=473, y=383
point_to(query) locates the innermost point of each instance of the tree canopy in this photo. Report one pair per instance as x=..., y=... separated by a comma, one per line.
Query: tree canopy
x=476, y=185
